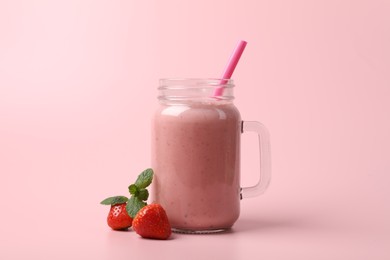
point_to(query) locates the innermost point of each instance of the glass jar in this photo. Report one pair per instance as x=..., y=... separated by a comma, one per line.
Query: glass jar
x=196, y=155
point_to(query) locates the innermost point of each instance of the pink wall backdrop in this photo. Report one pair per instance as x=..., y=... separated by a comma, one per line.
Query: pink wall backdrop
x=78, y=86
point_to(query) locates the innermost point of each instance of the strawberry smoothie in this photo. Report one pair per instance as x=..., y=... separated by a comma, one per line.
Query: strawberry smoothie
x=196, y=160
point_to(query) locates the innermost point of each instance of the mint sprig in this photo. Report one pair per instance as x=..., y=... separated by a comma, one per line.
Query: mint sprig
x=139, y=193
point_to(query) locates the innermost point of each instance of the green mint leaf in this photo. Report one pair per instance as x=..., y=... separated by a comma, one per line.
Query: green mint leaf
x=114, y=200
x=134, y=204
x=144, y=179
x=143, y=194
x=133, y=189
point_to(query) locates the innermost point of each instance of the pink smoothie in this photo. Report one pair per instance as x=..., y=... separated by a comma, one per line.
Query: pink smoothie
x=196, y=160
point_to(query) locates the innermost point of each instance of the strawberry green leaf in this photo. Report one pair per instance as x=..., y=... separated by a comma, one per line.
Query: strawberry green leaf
x=143, y=194
x=134, y=204
x=144, y=179
x=114, y=200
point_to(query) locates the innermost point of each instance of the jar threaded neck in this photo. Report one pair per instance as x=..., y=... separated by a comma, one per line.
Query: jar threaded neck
x=195, y=90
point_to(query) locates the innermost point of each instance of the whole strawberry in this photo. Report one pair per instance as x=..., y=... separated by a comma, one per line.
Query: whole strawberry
x=118, y=218
x=152, y=222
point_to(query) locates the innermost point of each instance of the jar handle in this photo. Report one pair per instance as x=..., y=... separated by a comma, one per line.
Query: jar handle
x=265, y=159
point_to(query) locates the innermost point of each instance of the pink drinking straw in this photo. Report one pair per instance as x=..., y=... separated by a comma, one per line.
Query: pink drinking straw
x=228, y=72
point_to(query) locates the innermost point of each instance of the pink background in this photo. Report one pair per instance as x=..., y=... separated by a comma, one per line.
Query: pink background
x=78, y=86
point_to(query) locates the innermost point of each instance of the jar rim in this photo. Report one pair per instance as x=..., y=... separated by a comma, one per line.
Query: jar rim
x=184, y=90
x=179, y=83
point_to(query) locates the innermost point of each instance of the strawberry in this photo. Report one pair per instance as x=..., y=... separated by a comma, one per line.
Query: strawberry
x=117, y=218
x=152, y=222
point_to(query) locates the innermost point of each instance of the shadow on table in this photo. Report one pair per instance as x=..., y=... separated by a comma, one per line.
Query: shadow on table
x=270, y=224
x=264, y=224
